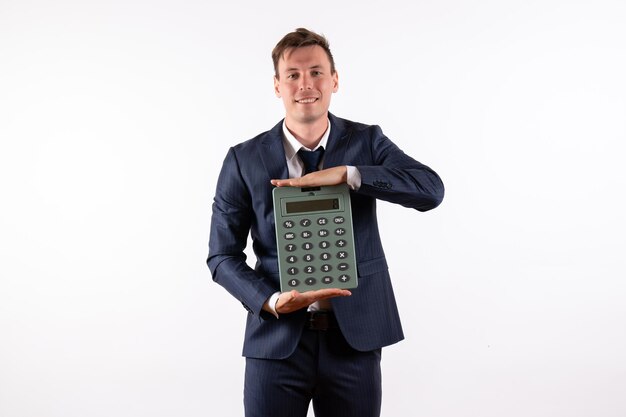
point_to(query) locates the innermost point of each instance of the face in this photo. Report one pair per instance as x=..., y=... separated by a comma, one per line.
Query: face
x=305, y=84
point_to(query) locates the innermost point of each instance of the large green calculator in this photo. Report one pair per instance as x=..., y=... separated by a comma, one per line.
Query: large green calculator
x=315, y=238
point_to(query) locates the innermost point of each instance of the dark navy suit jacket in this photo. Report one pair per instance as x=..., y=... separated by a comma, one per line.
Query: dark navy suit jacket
x=243, y=204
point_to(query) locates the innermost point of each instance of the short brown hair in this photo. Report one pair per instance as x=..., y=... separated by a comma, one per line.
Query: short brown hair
x=297, y=39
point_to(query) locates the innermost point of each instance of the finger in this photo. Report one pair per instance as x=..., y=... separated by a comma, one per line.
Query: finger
x=334, y=294
x=295, y=182
x=324, y=294
x=280, y=183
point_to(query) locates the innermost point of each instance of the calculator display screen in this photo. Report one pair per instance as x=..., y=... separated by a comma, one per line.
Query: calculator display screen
x=295, y=207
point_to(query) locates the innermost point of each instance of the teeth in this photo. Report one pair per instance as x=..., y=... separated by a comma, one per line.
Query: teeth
x=307, y=100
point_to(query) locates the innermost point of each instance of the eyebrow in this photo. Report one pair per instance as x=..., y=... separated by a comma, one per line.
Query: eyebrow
x=297, y=69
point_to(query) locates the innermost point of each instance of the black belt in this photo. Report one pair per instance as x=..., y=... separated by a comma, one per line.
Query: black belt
x=321, y=320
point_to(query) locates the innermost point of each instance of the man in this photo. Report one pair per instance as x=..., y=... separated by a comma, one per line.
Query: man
x=322, y=346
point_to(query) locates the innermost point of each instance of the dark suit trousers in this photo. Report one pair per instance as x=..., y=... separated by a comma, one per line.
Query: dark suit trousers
x=340, y=381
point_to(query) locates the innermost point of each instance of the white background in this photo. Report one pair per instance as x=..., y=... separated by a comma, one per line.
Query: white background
x=115, y=117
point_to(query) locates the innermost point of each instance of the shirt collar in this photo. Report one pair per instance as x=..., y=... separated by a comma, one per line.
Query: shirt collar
x=292, y=146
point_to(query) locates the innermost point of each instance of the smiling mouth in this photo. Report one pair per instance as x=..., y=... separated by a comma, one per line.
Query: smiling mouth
x=307, y=100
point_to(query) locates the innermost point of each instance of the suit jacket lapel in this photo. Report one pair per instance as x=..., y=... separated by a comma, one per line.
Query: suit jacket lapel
x=272, y=153
x=337, y=143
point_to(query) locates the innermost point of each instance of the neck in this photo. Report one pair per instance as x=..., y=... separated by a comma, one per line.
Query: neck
x=308, y=134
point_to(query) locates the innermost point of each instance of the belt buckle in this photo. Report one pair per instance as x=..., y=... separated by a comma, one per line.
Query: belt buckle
x=319, y=321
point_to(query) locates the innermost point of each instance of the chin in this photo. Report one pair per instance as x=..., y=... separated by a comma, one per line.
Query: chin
x=310, y=117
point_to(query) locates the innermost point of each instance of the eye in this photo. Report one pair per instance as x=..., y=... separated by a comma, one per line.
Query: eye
x=317, y=73
x=292, y=76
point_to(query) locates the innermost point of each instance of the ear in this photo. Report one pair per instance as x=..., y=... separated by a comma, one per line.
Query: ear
x=276, y=87
x=335, y=82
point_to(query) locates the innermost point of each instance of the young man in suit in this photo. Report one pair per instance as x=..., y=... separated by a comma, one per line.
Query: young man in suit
x=322, y=346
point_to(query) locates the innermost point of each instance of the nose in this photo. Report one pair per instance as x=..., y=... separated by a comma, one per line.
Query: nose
x=306, y=82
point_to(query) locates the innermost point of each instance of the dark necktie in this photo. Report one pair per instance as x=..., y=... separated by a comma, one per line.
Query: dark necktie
x=311, y=159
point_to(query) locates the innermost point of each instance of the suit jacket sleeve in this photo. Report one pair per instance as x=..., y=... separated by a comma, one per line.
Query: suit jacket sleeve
x=230, y=225
x=398, y=178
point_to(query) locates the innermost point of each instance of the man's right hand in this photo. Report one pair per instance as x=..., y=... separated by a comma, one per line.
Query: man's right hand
x=293, y=300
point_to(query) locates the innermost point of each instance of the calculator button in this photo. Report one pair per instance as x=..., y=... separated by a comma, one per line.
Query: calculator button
x=290, y=236
x=310, y=281
x=307, y=246
x=343, y=267
x=339, y=220
x=322, y=221
x=294, y=282
x=322, y=232
x=340, y=231
x=344, y=277
x=326, y=268
x=289, y=224
x=342, y=254
x=309, y=269
x=327, y=280
x=292, y=271
x=290, y=247
x=341, y=243
x=306, y=234
x=292, y=259
x=324, y=244
x=308, y=257
x=325, y=256
x=305, y=222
